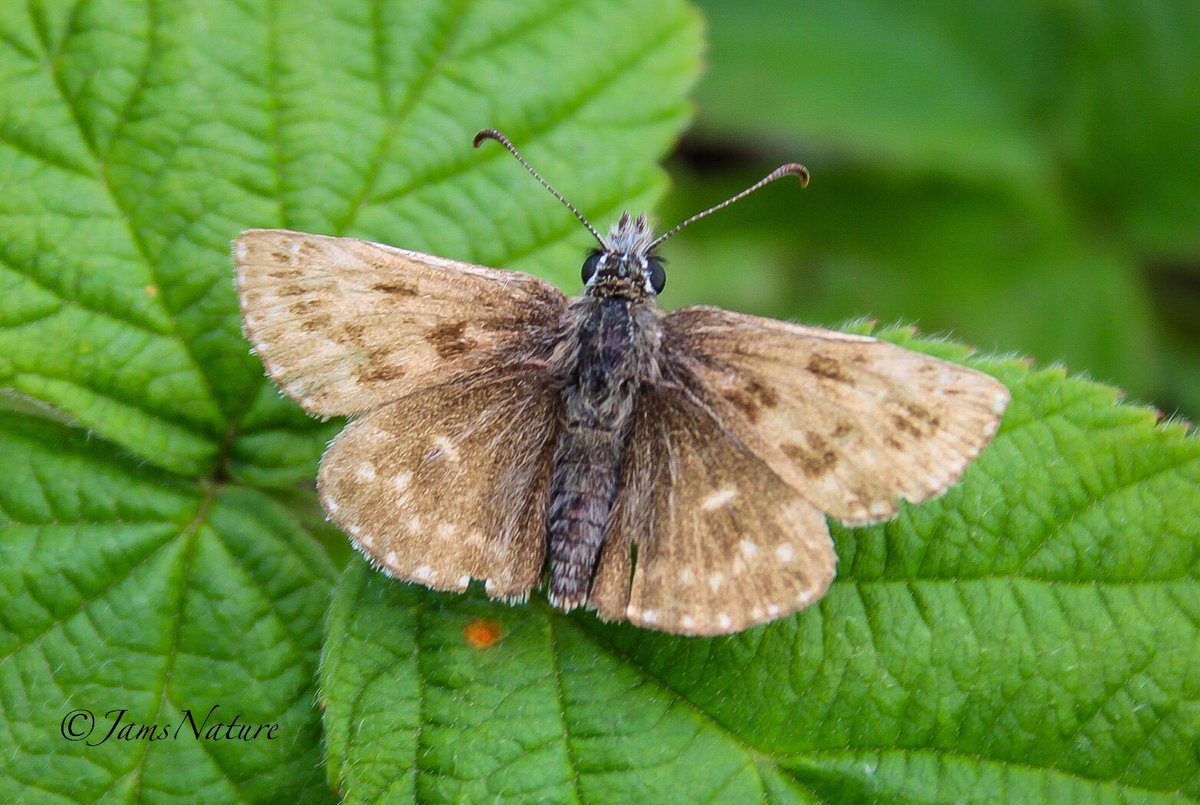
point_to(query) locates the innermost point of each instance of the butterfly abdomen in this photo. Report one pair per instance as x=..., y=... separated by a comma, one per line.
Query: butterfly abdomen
x=610, y=356
x=587, y=470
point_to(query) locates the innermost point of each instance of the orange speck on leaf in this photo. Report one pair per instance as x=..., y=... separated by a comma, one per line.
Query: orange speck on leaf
x=482, y=633
x=151, y=290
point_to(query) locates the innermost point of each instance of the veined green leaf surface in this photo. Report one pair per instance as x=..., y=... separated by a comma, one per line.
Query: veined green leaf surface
x=1030, y=636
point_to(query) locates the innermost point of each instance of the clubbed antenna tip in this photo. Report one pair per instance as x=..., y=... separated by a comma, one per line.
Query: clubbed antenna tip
x=489, y=134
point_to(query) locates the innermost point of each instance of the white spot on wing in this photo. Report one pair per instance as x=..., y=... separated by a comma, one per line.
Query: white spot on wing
x=445, y=448
x=402, y=480
x=464, y=581
x=719, y=499
x=649, y=616
x=724, y=620
x=366, y=472
x=785, y=553
x=715, y=581
x=687, y=622
x=390, y=559
x=424, y=573
x=748, y=548
x=686, y=576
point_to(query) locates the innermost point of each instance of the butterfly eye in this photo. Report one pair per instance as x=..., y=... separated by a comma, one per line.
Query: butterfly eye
x=658, y=275
x=590, y=265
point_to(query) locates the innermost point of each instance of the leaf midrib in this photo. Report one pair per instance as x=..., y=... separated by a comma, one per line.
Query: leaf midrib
x=122, y=212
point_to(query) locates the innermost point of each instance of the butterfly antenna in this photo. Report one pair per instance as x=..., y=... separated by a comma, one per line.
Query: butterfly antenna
x=492, y=134
x=790, y=169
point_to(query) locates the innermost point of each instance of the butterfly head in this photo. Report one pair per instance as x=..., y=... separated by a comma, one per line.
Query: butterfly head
x=625, y=265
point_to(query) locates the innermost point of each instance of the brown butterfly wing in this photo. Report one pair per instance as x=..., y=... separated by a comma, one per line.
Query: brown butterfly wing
x=722, y=544
x=344, y=326
x=852, y=423
x=451, y=483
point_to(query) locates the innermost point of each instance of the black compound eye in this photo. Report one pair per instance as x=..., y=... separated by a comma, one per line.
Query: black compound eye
x=590, y=265
x=658, y=275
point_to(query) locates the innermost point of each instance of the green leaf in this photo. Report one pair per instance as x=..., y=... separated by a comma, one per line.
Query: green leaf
x=1031, y=636
x=155, y=554
x=125, y=588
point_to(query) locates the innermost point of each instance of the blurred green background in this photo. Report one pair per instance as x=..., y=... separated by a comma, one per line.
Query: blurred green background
x=1022, y=175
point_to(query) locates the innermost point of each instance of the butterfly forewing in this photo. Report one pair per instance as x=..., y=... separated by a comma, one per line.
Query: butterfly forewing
x=344, y=326
x=721, y=542
x=851, y=423
x=450, y=483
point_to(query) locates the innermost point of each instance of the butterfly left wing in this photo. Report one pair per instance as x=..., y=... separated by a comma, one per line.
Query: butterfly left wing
x=850, y=422
x=705, y=539
x=450, y=483
x=344, y=326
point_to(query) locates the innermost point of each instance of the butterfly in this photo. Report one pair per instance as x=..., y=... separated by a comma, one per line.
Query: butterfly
x=672, y=470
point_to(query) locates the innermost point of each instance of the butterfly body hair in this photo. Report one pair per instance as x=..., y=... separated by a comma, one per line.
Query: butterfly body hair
x=613, y=343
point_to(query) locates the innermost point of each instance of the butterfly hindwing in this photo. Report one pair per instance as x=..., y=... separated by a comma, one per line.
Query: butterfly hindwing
x=705, y=539
x=344, y=326
x=450, y=483
x=852, y=423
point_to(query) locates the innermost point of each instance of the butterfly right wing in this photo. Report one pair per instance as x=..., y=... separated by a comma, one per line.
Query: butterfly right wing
x=722, y=543
x=853, y=423
x=344, y=326
x=451, y=483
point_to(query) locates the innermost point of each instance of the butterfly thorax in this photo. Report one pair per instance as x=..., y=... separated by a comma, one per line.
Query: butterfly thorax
x=609, y=349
